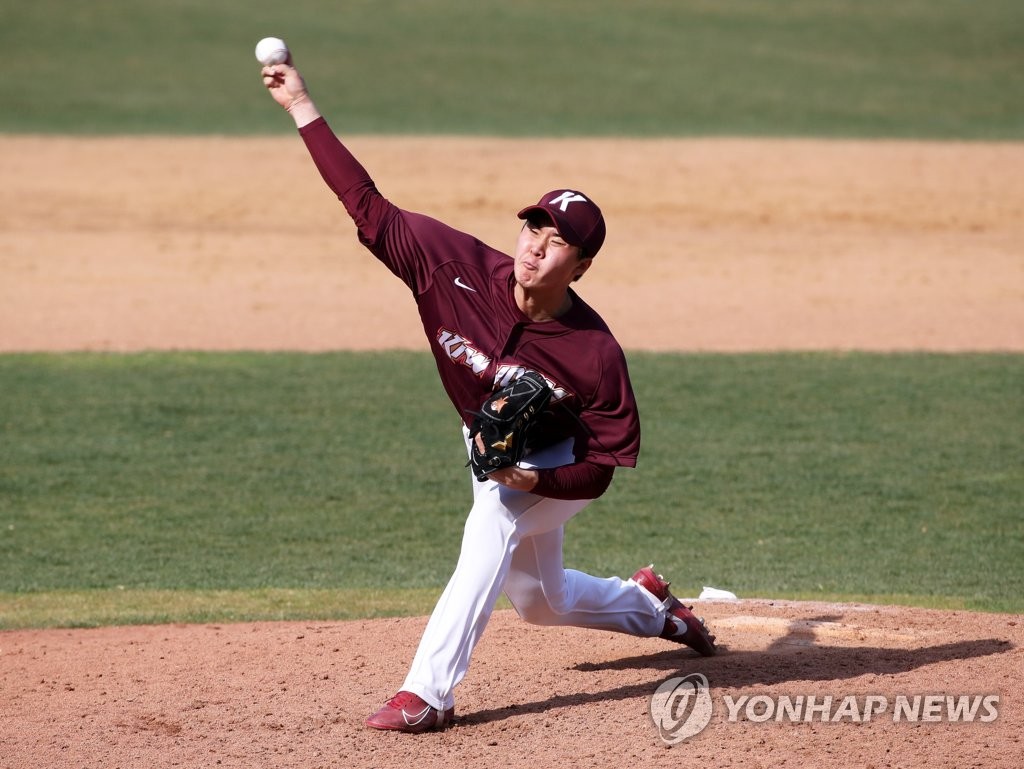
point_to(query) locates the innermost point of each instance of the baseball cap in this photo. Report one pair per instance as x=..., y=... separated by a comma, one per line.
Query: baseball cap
x=576, y=217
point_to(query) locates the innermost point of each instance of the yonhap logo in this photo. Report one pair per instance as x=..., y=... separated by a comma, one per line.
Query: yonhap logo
x=681, y=708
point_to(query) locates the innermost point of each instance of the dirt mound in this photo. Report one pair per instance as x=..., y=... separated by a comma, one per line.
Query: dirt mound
x=295, y=695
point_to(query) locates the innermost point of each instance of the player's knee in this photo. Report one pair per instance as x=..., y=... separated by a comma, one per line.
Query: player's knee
x=535, y=607
x=536, y=614
x=560, y=603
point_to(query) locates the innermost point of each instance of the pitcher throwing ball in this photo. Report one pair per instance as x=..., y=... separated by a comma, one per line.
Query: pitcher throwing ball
x=492, y=320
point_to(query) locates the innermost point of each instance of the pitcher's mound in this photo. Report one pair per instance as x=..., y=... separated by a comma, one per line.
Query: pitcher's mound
x=296, y=694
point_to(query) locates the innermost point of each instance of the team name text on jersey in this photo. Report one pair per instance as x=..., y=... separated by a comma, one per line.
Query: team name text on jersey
x=459, y=350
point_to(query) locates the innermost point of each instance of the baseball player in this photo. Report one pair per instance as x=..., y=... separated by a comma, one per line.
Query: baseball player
x=489, y=317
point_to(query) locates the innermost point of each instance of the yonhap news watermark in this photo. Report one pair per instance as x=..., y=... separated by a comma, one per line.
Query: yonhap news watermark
x=682, y=707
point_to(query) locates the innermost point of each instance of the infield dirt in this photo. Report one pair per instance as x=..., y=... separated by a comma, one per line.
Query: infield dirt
x=727, y=245
x=735, y=245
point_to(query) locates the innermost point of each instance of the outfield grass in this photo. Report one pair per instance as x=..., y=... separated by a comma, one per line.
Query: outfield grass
x=914, y=68
x=211, y=487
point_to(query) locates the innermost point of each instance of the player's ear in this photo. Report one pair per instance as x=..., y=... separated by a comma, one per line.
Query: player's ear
x=582, y=267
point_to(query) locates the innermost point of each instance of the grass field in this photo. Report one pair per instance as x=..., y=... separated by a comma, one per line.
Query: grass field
x=179, y=486
x=916, y=68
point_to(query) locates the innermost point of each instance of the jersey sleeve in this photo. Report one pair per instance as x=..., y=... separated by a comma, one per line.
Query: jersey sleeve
x=606, y=435
x=411, y=245
x=611, y=417
x=582, y=480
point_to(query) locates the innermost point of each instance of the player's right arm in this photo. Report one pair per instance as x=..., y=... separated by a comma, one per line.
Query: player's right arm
x=372, y=213
x=410, y=245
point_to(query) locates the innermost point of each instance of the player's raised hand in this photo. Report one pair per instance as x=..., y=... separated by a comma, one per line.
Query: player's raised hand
x=288, y=89
x=285, y=84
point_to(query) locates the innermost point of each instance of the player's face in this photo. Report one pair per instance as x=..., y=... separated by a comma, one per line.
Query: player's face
x=544, y=261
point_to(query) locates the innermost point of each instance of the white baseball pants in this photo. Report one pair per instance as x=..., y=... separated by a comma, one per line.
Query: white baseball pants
x=512, y=542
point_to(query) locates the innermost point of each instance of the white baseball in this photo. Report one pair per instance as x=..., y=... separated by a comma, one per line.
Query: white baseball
x=271, y=50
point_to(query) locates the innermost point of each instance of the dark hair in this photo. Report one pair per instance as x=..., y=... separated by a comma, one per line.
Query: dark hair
x=541, y=218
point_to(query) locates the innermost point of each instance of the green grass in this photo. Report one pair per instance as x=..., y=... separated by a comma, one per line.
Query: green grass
x=213, y=487
x=832, y=475
x=122, y=606
x=914, y=68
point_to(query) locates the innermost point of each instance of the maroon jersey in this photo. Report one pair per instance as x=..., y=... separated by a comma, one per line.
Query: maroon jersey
x=479, y=337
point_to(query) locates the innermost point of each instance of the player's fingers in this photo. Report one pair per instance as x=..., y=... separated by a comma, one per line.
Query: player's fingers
x=273, y=76
x=279, y=71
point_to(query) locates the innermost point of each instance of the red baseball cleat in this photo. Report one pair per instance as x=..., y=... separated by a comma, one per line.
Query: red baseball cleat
x=405, y=712
x=681, y=625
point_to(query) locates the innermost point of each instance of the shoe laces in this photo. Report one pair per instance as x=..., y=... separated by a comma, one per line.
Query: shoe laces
x=402, y=699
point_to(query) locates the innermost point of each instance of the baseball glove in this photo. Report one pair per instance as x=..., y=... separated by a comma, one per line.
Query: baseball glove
x=499, y=431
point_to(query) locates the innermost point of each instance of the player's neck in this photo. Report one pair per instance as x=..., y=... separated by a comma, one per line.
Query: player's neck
x=540, y=307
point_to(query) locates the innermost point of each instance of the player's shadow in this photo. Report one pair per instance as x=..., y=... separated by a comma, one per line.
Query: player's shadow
x=790, y=658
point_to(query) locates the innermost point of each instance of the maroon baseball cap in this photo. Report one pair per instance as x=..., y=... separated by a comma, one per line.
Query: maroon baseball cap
x=576, y=217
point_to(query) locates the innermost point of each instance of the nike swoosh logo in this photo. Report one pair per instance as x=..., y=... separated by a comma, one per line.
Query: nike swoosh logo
x=681, y=627
x=460, y=284
x=417, y=718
